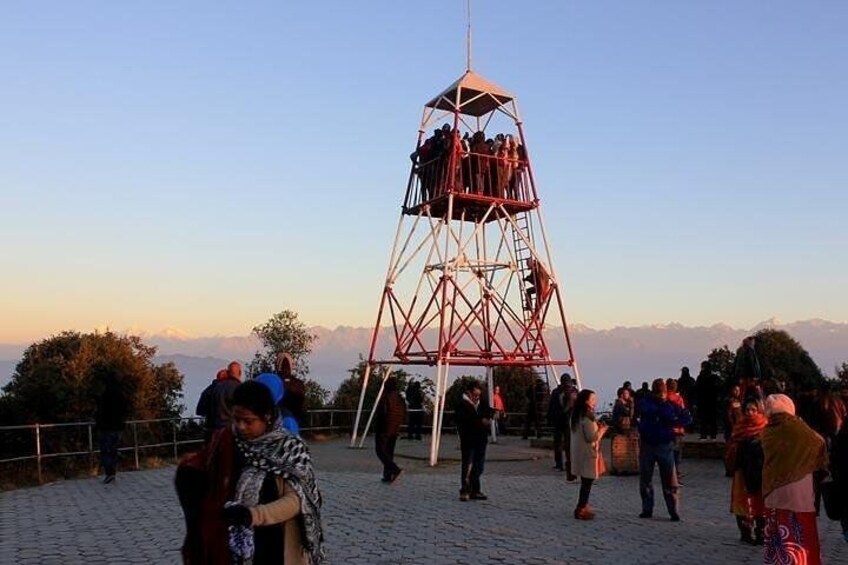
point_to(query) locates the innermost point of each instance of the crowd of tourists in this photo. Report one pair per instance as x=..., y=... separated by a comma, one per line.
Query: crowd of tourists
x=250, y=495
x=786, y=451
x=472, y=164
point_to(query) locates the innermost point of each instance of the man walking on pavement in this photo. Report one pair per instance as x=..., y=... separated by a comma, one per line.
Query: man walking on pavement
x=390, y=415
x=472, y=418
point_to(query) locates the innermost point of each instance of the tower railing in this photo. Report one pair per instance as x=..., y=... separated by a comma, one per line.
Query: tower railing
x=478, y=176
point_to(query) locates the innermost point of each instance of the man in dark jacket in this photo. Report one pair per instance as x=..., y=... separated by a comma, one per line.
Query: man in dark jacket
x=111, y=416
x=472, y=418
x=657, y=420
x=559, y=413
x=206, y=407
x=220, y=410
x=706, y=392
x=686, y=386
x=415, y=403
x=390, y=416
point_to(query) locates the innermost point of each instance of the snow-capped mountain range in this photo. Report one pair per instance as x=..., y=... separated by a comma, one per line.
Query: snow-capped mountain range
x=605, y=357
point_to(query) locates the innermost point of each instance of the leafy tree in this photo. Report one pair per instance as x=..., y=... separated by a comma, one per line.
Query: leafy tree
x=347, y=395
x=842, y=375
x=783, y=358
x=721, y=362
x=283, y=332
x=316, y=395
x=514, y=382
x=59, y=379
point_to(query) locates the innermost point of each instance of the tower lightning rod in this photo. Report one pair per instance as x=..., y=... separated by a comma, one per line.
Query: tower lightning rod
x=468, y=37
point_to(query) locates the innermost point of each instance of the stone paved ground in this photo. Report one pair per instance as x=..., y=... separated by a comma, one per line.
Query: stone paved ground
x=419, y=520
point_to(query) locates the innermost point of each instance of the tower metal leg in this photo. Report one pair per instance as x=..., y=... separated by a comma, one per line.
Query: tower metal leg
x=374, y=407
x=490, y=383
x=361, y=401
x=438, y=411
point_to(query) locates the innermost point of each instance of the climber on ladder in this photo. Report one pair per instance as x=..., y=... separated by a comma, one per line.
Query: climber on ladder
x=538, y=283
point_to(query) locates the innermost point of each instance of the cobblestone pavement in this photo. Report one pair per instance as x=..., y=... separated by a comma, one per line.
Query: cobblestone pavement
x=420, y=519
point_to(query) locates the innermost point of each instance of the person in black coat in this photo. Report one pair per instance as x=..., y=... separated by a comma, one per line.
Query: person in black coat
x=707, y=389
x=415, y=403
x=110, y=420
x=390, y=416
x=839, y=470
x=472, y=418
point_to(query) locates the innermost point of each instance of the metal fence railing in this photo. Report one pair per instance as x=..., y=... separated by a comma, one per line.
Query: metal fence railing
x=78, y=439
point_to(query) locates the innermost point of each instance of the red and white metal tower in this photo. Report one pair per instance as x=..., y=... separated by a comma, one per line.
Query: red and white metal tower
x=470, y=280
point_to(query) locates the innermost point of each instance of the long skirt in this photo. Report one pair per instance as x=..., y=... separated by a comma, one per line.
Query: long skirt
x=792, y=538
x=742, y=503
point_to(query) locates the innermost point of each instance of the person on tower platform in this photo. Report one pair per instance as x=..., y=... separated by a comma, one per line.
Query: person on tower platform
x=479, y=165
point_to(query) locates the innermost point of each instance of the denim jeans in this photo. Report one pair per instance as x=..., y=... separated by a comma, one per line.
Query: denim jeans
x=562, y=445
x=663, y=456
x=473, y=460
x=109, y=451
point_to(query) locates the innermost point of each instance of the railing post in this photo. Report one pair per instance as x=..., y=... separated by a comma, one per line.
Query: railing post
x=174, y=429
x=332, y=427
x=135, y=445
x=90, y=446
x=38, y=450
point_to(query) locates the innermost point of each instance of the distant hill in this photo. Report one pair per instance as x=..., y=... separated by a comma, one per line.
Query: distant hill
x=605, y=357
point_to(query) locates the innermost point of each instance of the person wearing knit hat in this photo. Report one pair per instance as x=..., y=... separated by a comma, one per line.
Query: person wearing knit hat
x=792, y=451
x=285, y=420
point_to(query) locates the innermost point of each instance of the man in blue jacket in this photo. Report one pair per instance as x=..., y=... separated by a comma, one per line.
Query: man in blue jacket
x=657, y=419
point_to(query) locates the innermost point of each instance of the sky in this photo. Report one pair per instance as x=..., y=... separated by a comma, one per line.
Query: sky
x=197, y=166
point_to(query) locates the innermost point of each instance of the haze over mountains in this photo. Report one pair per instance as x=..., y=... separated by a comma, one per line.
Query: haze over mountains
x=605, y=357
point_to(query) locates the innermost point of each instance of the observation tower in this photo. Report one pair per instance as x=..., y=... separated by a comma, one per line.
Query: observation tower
x=470, y=279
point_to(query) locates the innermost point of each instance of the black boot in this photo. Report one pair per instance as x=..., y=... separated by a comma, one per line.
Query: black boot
x=744, y=526
x=759, y=531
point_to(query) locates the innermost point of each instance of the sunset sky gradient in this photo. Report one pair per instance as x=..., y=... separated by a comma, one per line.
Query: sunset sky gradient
x=198, y=166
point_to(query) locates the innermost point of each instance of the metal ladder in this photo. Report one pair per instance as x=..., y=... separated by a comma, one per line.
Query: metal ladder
x=522, y=254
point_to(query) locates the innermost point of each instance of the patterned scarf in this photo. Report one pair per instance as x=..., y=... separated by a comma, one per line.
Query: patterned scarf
x=285, y=455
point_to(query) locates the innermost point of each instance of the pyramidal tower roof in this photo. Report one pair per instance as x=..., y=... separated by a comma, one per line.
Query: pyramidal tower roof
x=471, y=94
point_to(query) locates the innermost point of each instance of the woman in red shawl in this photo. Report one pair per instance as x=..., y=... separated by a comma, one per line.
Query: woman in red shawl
x=792, y=451
x=746, y=496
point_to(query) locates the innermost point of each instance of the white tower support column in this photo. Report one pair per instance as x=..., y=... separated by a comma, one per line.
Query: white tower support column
x=361, y=401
